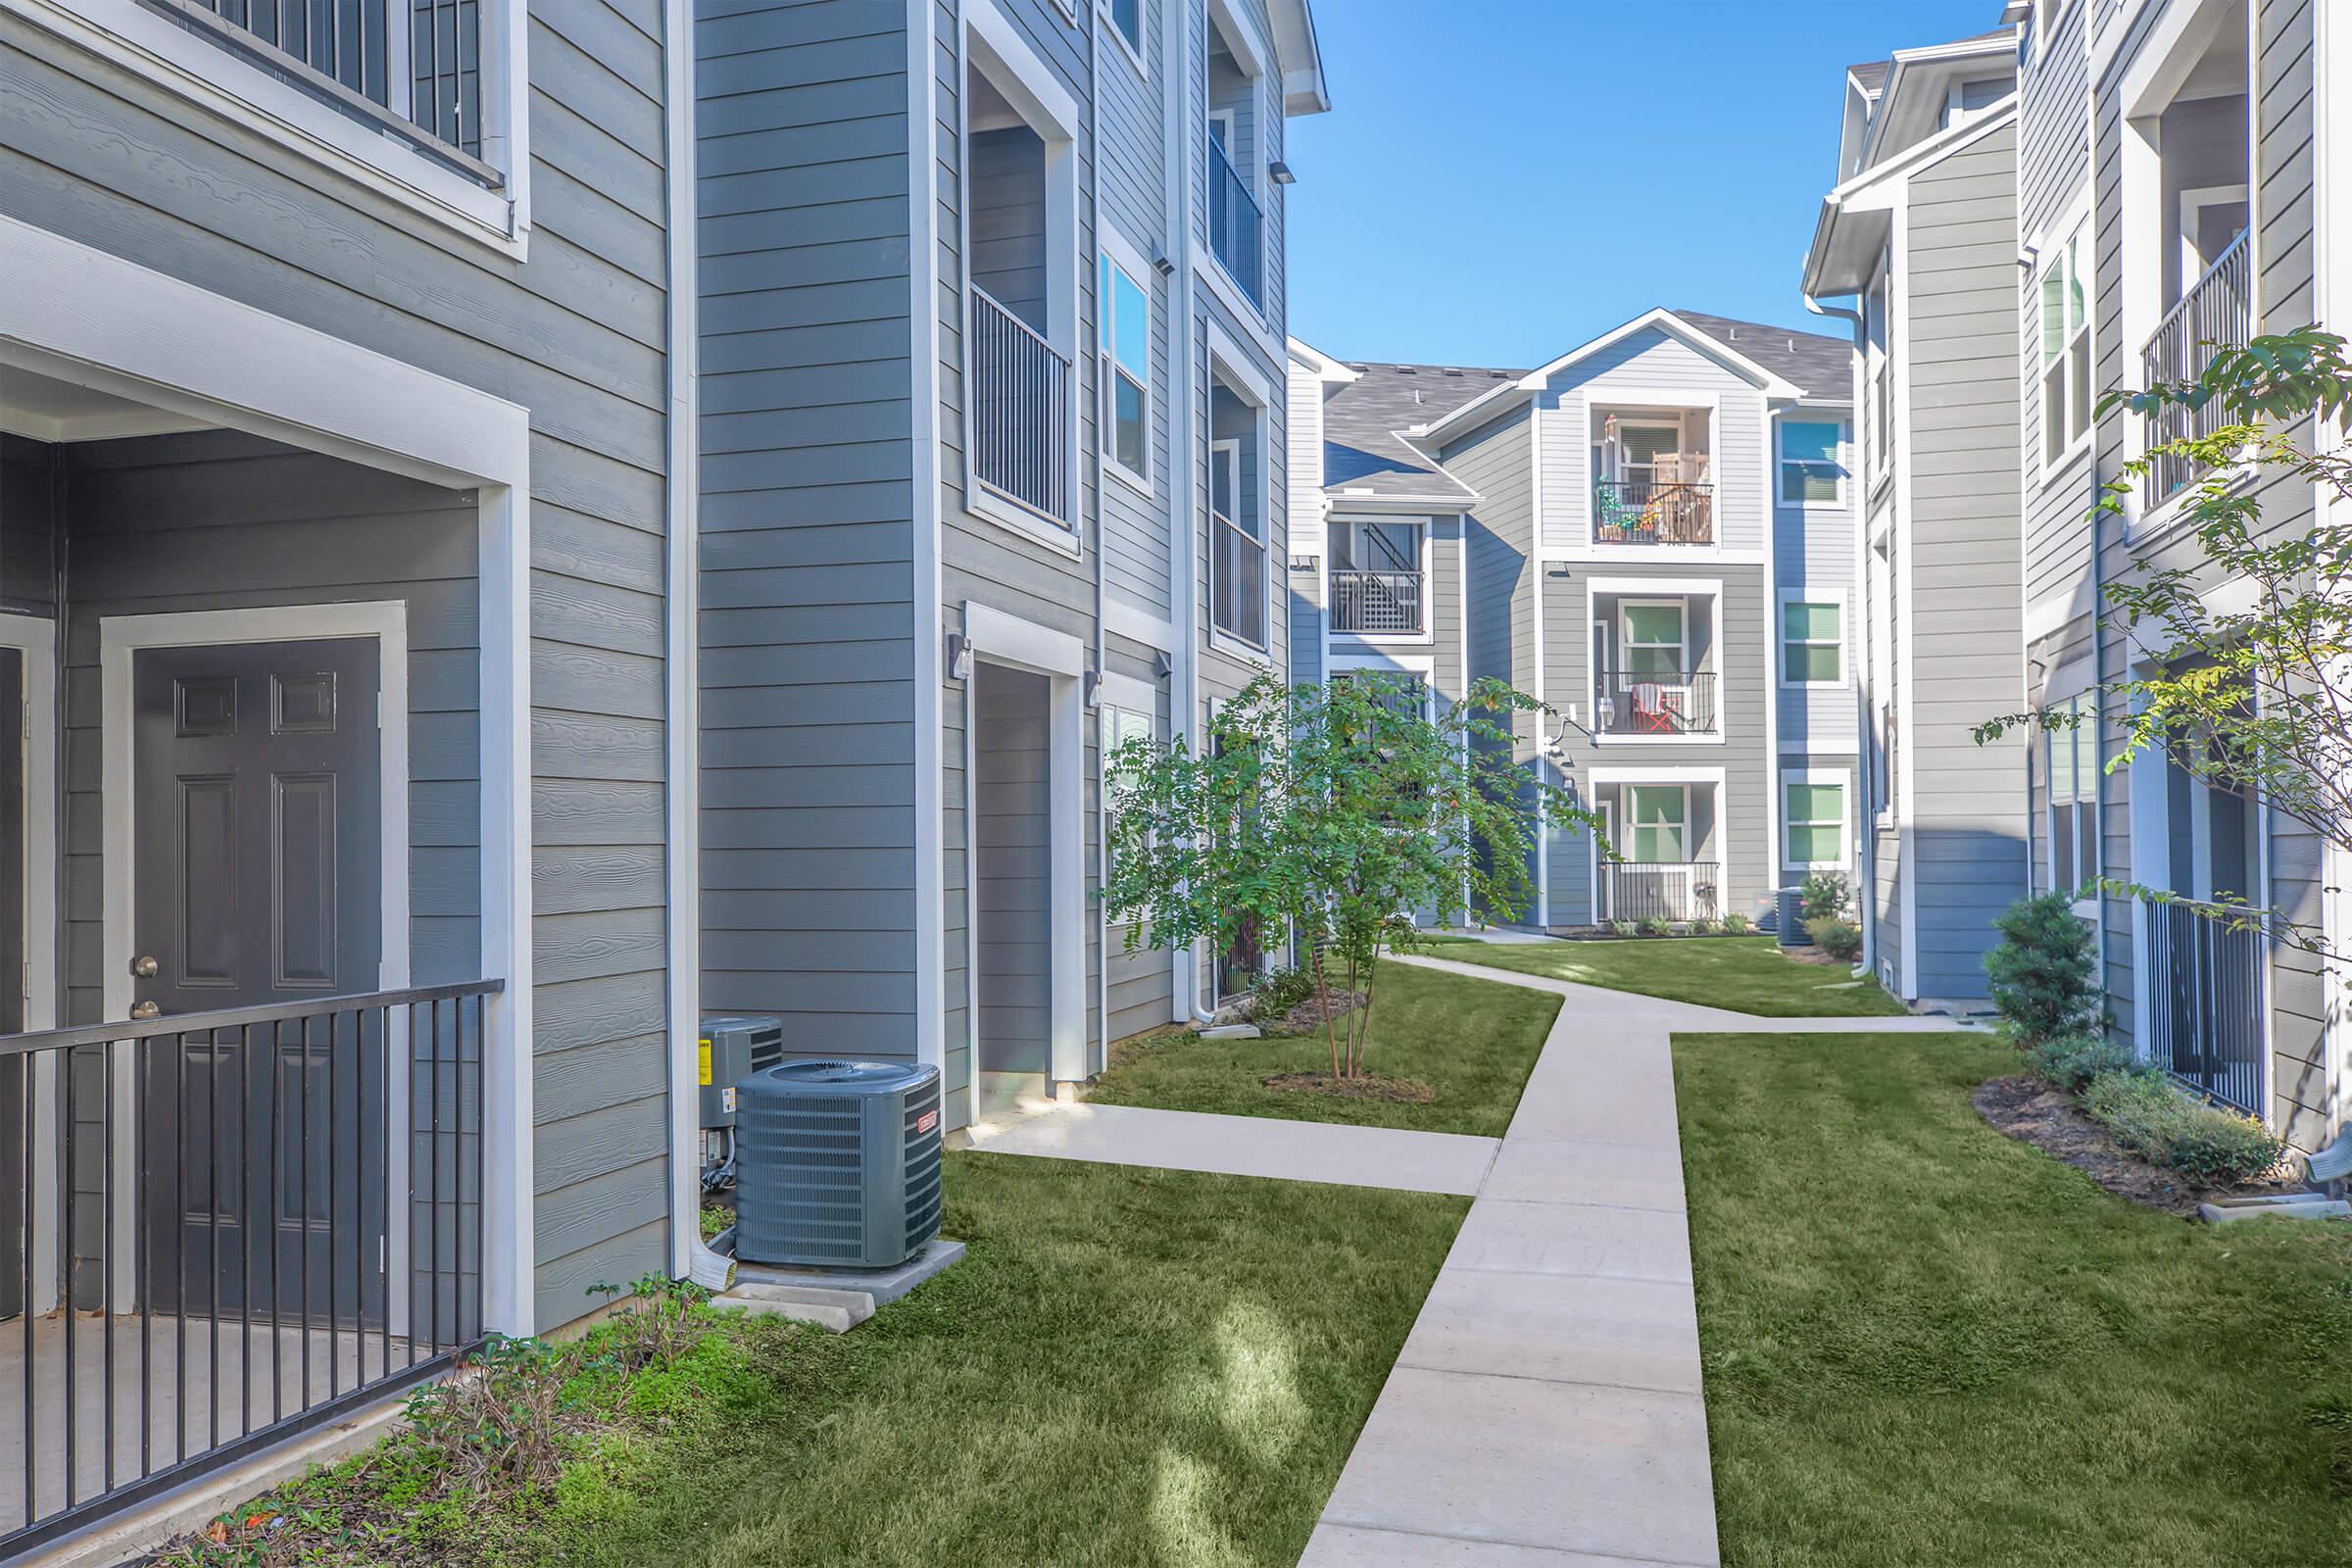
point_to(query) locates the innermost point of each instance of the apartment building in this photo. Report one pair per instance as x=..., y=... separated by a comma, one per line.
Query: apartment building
x=2182, y=183
x=343, y=515
x=1921, y=231
x=992, y=479
x=1654, y=535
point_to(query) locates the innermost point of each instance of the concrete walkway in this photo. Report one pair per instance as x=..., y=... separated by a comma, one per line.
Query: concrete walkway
x=1249, y=1145
x=1546, y=1411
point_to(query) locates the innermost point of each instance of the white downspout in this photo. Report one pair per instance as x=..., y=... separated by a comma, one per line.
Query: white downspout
x=1094, y=714
x=1184, y=722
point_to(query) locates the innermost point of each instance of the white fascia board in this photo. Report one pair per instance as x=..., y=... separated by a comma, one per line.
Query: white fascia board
x=1352, y=501
x=1324, y=367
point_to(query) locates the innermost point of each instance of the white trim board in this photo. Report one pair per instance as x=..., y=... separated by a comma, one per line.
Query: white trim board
x=84, y=316
x=36, y=639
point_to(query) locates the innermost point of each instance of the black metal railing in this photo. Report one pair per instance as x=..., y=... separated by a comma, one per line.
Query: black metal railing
x=1236, y=225
x=1659, y=889
x=407, y=65
x=1655, y=702
x=1236, y=580
x=2205, y=1003
x=2215, y=310
x=1628, y=511
x=234, y=1226
x=1379, y=603
x=1020, y=397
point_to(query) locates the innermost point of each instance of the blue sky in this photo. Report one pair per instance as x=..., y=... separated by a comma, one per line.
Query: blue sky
x=1499, y=186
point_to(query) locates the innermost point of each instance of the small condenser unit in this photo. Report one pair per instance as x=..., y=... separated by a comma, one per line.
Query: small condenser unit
x=836, y=1164
x=727, y=1050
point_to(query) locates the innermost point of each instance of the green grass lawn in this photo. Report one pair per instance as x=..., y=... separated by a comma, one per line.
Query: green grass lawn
x=1131, y=1367
x=1928, y=1344
x=1747, y=974
x=1471, y=1040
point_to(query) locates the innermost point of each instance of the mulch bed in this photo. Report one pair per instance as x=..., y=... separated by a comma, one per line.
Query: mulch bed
x=1307, y=1017
x=2034, y=1110
x=1816, y=954
x=1363, y=1085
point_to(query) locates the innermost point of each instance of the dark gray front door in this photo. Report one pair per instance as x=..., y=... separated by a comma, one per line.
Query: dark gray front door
x=257, y=848
x=16, y=1133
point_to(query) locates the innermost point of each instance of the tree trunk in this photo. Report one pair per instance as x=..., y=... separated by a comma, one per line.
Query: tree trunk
x=1323, y=994
x=1361, y=1034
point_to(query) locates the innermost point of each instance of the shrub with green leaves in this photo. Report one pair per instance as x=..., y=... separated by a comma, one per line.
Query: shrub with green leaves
x=1737, y=924
x=1837, y=937
x=1622, y=928
x=2072, y=1061
x=1706, y=928
x=1279, y=991
x=2158, y=1120
x=2045, y=971
x=1825, y=894
x=1655, y=925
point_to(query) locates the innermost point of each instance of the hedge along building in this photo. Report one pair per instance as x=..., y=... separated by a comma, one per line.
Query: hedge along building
x=992, y=460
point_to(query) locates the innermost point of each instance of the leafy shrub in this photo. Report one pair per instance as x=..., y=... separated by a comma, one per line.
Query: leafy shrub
x=1706, y=928
x=1737, y=924
x=502, y=1428
x=657, y=1324
x=1837, y=937
x=1278, y=993
x=1622, y=928
x=1825, y=894
x=1655, y=925
x=2072, y=1061
x=2043, y=972
x=2156, y=1119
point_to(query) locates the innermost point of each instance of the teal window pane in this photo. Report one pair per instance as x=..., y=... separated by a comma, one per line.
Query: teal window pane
x=1127, y=423
x=1814, y=661
x=1131, y=321
x=1654, y=623
x=1817, y=802
x=1805, y=441
x=1810, y=844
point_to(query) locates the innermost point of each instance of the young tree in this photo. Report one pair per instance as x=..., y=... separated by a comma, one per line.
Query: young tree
x=1338, y=809
x=2249, y=692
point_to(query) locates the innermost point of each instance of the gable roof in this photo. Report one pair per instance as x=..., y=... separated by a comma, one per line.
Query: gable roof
x=1817, y=365
x=1364, y=453
x=1500, y=396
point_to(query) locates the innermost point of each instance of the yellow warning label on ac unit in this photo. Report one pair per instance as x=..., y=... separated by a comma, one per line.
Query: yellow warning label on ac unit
x=704, y=1055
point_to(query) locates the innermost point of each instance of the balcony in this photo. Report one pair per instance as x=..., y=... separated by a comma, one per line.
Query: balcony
x=1020, y=403
x=280, y=1220
x=419, y=81
x=1658, y=890
x=1376, y=604
x=2215, y=310
x=1236, y=225
x=1650, y=511
x=2205, y=1007
x=1653, y=704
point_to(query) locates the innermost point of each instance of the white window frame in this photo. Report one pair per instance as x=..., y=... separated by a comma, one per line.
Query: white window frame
x=1818, y=778
x=153, y=47
x=1839, y=456
x=2060, y=372
x=1114, y=251
x=1625, y=639
x=1845, y=672
x=1633, y=824
x=1132, y=49
x=996, y=47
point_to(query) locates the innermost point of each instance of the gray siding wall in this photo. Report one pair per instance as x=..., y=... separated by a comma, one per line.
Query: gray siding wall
x=1013, y=870
x=807, y=661
x=1498, y=462
x=1132, y=186
x=575, y=335
x=1968, y=803
x=1140, y=983
x=30, y=476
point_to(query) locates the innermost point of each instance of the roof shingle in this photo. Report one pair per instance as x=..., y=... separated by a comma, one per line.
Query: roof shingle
x=1362, y=452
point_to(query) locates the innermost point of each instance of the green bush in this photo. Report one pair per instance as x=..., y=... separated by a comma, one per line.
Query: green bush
x=1706, y=928
x=1622, y=928
x=2043, y=972
x=2072, y=1061
x=1278, y=992
x=1824, y=895
x=1655, y=925
x=1737, y=924
x=1839, y=938
x=2158, y=1120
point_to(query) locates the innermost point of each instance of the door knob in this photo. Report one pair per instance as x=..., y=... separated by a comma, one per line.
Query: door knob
x=142, y=967
x=146, y=1009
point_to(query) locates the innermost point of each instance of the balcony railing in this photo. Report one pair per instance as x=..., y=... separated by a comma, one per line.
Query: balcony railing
x=1376, y=604
x=1020, y=399
x=2217, y=310
x=1659, y=889
x=409, y=67
x=1628, y=511
x=1650, y=703
x=1235, y=224
x=2205, y=1003
x=1236, y=580
x=257, y=1218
